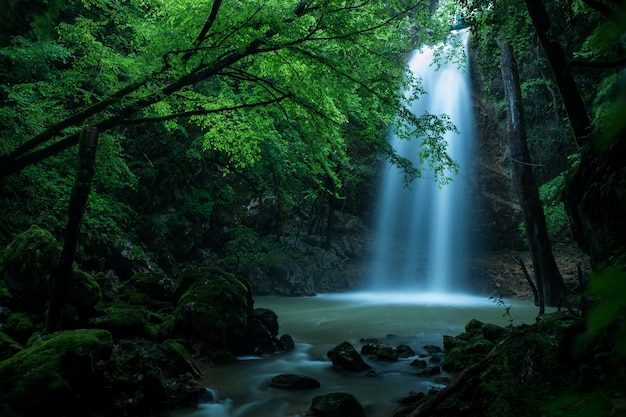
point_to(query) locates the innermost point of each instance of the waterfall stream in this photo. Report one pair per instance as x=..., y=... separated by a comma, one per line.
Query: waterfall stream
x=421, y=231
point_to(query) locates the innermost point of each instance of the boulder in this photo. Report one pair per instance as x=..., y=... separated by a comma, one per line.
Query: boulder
x=336, y=404
x=293, y=382
x=27, y=267
x=57, y=375
x=8, y=346
x=149, y=289
x=127, y=321
x=345, y=357
x=214, y=310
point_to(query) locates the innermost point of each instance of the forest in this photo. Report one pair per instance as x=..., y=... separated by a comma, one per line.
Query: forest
x=163, y=163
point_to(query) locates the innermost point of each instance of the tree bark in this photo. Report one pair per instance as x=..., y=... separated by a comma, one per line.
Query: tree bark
x=568, y=89
x=549, y=282
x=78, y=200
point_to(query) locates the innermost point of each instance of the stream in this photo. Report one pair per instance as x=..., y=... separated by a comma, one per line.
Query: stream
x=317, y=324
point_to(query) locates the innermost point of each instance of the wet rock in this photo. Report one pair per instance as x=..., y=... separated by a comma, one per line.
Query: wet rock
x=293, y=382
x=344, y=356
x=386, y=353
x=450, y=342
x=288, y=343
x=430, y=371
x=268, y=318
x=405, y=351
x=431, y=349
x=337, y=404
x=419, y=363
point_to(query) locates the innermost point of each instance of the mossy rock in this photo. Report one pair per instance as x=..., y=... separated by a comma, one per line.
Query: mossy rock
x=83, y=292
x=214, y=309
x=8, y=346
x=52, y=376
x=20, y=326
x=150, y=289
x=127, y=321
x=27, y=267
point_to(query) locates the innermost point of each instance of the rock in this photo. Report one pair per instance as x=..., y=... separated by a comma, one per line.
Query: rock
x=369, y=349
x=57, y=375
x=268, y=318
x=20, y=326
x=431, y=349
x=491, y=332
x=344, y=356
x=126, y=321
x=83, y=293
x=288, y=343
x=386, y=353
x=214, y=309
x=419, y=363
x=293, y=382
x=27, y=267
x=337, y=404
x=405, y=351
x=149, y=289
x=430, y=371
x=450, y=342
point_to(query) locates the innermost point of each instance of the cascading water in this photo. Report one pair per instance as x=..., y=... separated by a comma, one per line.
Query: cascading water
x=421, y=232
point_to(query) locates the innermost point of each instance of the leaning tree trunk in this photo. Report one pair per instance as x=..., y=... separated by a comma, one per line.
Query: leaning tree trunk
x=78, y=200
x=568, y=89
x=549, y=281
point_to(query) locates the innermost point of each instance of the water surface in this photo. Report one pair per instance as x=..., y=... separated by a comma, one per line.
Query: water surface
x=317, y=324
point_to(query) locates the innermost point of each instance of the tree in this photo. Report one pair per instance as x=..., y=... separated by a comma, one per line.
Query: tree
x=550, y=284
x=233, y=75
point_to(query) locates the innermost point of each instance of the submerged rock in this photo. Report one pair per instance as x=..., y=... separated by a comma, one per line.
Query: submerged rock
x=293, y=382
x=336, y=404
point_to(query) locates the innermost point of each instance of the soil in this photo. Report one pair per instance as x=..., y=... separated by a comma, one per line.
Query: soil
x=500, y=276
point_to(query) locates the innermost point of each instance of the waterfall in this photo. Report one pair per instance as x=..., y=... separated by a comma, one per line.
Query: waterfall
x=421, y=232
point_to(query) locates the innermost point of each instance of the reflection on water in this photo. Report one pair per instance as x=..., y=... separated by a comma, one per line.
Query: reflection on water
x=317, y=324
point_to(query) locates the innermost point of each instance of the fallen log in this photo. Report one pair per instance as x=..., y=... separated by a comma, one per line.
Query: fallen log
x=428, y=406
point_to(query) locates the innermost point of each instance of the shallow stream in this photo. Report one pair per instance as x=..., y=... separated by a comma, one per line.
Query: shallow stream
x=317, y=324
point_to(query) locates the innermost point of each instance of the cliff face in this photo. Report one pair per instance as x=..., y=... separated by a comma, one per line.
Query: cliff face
x=497, y=213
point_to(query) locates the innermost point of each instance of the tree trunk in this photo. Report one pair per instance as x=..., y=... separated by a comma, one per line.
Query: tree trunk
x=549, y=281
x=78, y=201
x=568, y=89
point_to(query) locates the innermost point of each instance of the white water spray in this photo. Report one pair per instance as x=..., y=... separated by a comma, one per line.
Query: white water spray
x=421, y=232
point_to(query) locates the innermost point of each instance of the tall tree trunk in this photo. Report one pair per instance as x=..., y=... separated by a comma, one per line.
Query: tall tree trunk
x=549, y=281
x=568, y=89
x=78, y=201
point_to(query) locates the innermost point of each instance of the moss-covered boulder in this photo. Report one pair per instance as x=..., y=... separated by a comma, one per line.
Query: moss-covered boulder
x=150, y=289
x=83, y=293
x=8, y=346
x=128, y=321
x=20, y=326
x=57, y=375
x=214, y=309
x=27, y=267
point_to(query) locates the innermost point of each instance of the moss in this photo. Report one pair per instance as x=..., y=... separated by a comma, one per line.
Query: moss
x=84, y=292
x=49, y=376
x=8, y=346
x=20, y=325
x=126, y=321
x=214, y=309
x=5, y=295
x=27, y=266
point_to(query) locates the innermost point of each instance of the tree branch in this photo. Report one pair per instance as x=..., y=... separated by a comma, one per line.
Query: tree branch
x=200, y=112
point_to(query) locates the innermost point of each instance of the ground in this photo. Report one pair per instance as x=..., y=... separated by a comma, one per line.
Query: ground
x=499, y=275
